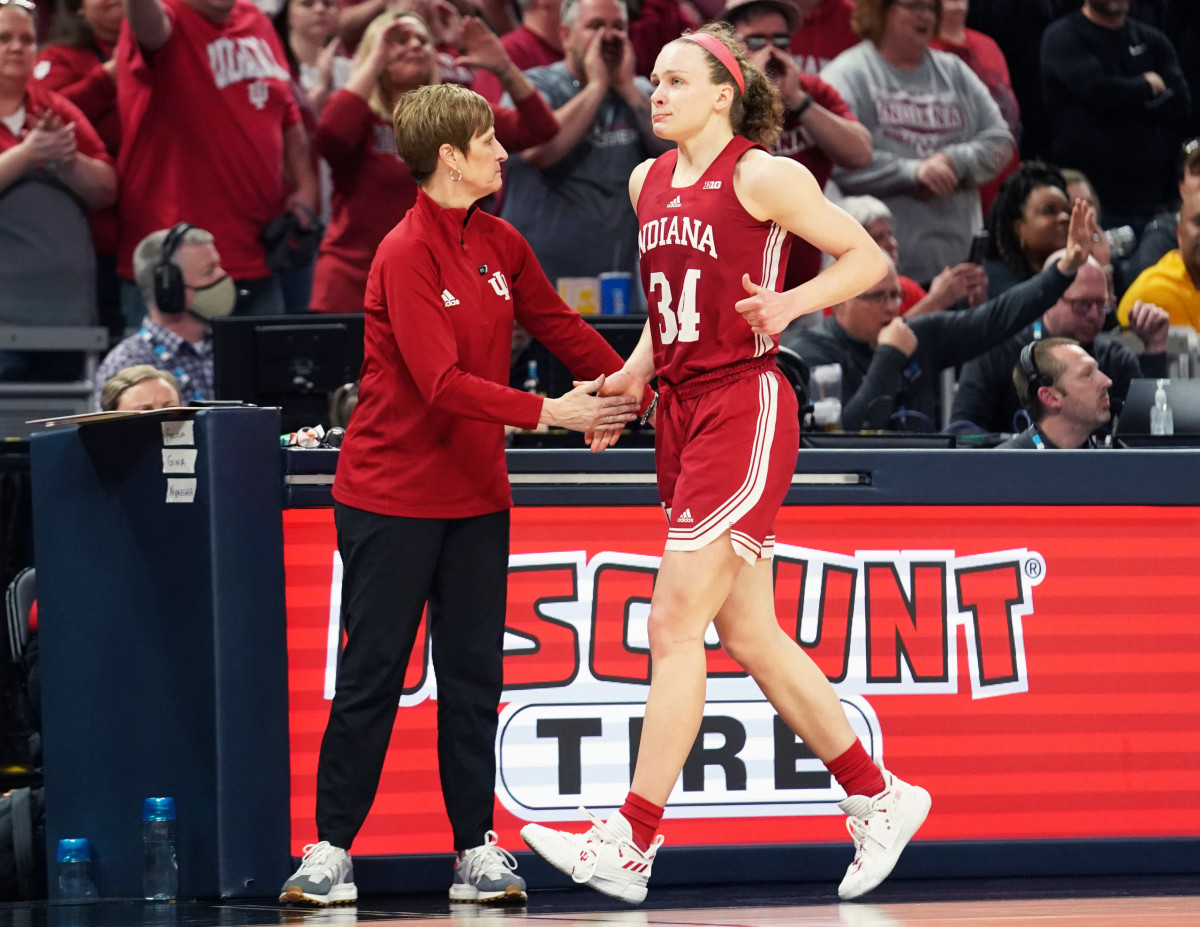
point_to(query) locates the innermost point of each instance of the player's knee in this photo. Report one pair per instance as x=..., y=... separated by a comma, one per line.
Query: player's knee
x=749, y=646
x=743, y=648
x=669, y=631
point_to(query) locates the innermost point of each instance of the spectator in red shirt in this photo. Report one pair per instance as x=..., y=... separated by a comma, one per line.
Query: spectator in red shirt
x=211, y=132
x=819, y=129
x=652, y=24
x=824, y=32
x=53, y=167
x=41, y=129
x=372, y=186
x=421, y=496
x=77, y=62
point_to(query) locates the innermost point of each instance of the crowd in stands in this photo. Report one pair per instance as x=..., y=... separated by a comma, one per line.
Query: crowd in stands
x=934, y=122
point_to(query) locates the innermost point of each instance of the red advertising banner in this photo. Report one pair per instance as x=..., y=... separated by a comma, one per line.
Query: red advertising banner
x=1035, y=668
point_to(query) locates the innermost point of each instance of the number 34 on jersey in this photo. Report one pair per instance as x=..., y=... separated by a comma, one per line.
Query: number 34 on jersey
x=678, y=318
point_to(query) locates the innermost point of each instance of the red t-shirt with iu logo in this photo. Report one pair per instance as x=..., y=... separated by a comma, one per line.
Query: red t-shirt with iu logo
x=695, y=243
x=202, y=123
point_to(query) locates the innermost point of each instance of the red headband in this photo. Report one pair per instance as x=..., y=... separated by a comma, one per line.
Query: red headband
x=721, y=52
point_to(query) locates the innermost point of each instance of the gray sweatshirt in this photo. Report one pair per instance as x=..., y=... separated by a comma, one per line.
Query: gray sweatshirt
x=941, y=106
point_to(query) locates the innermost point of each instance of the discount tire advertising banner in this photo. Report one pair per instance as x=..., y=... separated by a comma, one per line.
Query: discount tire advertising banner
x=1036, y=668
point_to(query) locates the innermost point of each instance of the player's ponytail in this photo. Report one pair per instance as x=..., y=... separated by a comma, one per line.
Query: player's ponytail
x=758, y=112
x=762, y=108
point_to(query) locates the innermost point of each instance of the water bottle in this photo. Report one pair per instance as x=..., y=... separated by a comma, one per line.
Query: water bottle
x=532, y=382
x=1162, y=420
x=160, y=872
x=74, y=859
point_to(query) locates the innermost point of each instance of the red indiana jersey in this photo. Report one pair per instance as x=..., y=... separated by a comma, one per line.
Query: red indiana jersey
x=695, y=244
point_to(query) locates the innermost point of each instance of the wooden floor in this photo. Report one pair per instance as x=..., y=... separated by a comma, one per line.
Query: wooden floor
x=1180, y=911
x=1163, y=901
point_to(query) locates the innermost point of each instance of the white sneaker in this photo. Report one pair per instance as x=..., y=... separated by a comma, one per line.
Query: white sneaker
x=881, y=827
x=325, y=876
x=603, y=858
x=485, y=873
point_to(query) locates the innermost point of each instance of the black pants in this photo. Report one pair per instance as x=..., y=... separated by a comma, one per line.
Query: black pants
x=392, y=567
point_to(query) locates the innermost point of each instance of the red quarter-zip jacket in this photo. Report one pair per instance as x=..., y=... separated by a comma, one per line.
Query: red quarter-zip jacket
x=426, y=439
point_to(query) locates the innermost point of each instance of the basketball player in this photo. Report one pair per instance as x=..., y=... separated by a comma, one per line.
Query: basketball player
x=713, y=218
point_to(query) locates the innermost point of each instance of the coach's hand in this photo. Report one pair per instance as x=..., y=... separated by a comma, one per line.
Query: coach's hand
x=579, y=410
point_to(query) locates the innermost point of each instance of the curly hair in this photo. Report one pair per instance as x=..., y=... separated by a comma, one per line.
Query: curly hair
x=1009, y=207
x=758, y=113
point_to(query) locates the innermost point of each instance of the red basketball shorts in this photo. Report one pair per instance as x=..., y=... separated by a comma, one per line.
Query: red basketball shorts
x=725, y=458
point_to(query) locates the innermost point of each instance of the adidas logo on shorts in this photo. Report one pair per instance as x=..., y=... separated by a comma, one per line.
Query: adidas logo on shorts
x=674, y=204
x=686, y=517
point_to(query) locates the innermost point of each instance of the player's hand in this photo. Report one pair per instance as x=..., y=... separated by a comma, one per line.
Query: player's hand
x=621, y=383
x=765, y=311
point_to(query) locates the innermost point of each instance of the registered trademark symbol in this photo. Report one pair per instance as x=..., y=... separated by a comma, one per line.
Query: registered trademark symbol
x=1033, y=567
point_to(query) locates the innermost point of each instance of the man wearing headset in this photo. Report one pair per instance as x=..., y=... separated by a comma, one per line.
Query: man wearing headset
x=1065, y=393
x=179, y=275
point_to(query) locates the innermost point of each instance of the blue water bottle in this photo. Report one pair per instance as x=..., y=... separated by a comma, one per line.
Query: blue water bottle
x=74, y=859
x=160, y=873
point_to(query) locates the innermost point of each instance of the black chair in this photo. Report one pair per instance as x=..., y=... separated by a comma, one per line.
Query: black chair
x=20, y=688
